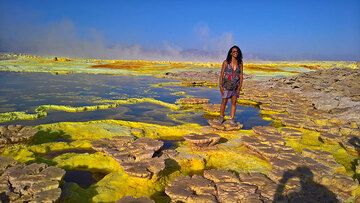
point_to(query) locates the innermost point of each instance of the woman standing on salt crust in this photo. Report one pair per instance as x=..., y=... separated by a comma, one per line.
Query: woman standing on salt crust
x=230, y=82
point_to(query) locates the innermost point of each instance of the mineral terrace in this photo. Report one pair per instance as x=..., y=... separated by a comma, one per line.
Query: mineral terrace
x=309, y=152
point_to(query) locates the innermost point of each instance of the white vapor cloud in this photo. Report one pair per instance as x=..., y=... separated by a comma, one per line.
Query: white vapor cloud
x=218, y=44
x=64, y=39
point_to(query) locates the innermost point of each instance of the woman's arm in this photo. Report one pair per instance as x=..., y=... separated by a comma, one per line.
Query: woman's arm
x=241, y=75
x=222, y=76
x=241, y=78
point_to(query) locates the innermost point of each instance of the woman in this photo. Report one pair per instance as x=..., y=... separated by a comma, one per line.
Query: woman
x=230, y=82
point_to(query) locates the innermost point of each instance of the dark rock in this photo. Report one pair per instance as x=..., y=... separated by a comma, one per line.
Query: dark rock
x=195, y=189
x=291, y=133
x=234, y=192
x=136, y=157
x=145, y=168
x=15, y=133
x=203, y=140
x=341, y=182
x=216, y=176
x=30, y=183
x=217, y=186
x=265, y=130
x=330, y=138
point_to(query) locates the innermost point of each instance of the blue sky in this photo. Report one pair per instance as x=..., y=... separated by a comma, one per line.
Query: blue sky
x=183, y=30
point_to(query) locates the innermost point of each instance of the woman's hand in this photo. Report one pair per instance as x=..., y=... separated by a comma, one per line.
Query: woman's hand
x=238, y=90
x=221, y=90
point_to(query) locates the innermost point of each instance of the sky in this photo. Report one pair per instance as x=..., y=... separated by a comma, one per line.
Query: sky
x=182, y=30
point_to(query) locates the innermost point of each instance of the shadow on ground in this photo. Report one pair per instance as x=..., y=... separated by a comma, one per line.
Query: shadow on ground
x=309, y=191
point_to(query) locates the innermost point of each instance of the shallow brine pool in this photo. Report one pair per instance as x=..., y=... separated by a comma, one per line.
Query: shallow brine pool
x=27, y=91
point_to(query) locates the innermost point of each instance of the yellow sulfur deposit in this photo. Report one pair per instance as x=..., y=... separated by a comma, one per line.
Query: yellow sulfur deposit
x=42, y=110
x=19, y=152
x=116, y=185
x=19, y=115
x=229, y=156
x=91, y=130
x=141, y=100
x=247, y=102
x=97, y=162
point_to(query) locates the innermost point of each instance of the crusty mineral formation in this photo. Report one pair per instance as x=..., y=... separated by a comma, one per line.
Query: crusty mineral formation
x=332, y=87
x=226, y=126
x=216, y=124
x=351, y=144
x=229, y=126
x=192, y=189
x=129, y=199
x=221, y=176
x=317, y=100
x=213, y=108
x=192, y=100
x=296, y=184
x=146, y=168
x=29, y=183
x=229, y=187
x=198, y=78
x=195, y=78
x=291, y=133
x=215, y=186
x=265, y=186
x=323, y=103
x=15, y=133
x=203, y=140
x=116, y=142
x=321, y=166
x=136, y=157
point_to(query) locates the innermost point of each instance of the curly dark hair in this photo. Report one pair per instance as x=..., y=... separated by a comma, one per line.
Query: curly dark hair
x=239, y=57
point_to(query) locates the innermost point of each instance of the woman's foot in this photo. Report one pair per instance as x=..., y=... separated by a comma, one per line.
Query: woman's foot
x=232, y=122
x=221, y=119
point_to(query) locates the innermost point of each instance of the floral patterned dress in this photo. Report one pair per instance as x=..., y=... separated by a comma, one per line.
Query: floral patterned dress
x=231, y=82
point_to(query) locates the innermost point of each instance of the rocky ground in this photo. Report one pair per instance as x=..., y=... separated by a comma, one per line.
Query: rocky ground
x=136, y=157
x=29, y=183
x=334, y=91
x=198, y=78
x=325, y=102
x=310, y=153
x=15, y=134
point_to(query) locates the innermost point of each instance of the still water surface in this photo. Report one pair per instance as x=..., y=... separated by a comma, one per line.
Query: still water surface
x=26, y=91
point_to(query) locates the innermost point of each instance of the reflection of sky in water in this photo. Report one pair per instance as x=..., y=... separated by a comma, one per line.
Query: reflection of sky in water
x=26, y=91
x=29, y=90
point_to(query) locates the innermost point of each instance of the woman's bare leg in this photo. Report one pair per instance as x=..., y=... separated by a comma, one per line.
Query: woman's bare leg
x=223, y=106
x=233, y=107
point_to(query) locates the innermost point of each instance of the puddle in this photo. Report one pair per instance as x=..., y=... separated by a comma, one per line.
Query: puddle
x=169, y=144
x=83, y=178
